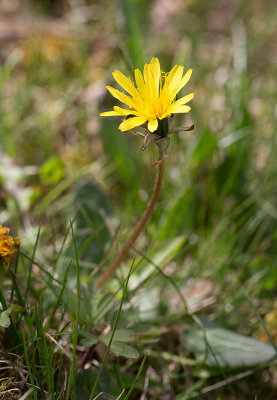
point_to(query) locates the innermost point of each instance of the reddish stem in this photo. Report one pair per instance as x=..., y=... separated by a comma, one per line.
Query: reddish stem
x=141, y=224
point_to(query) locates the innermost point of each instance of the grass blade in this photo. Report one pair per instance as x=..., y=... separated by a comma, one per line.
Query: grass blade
x=112, y=335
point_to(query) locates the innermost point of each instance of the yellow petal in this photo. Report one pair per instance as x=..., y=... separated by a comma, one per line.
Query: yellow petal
x=147, y=78
x=184, y=80
x=146, y=73
x=174, y=77
x=153, y=125
x=125, y=83
x=173, y=72
x=140, y=82
x=155, y=69
x=123, y=111
x=118, y=111
x=151, y=81
x=121, y=97
x=180, y=109
x=131, y=123
x=108, y=114
x=183, y=100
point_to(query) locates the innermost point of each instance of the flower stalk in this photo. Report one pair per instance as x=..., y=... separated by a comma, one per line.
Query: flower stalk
x=152, y=104
x=141, y=224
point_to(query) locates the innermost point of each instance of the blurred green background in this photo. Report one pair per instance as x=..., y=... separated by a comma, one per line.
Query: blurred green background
x=214, y=228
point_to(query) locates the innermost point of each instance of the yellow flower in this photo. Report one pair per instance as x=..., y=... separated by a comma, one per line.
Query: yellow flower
x=8, y=245
x=154, y=98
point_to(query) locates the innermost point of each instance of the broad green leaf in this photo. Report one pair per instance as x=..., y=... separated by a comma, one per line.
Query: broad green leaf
x=231, y=349
x=89, y=339
x=147, y=333
x=89, y=342
x=123, y=350
x=4, y=319
x=119, y=346
x=145, y=329
x=121, y=335
x=4, y=315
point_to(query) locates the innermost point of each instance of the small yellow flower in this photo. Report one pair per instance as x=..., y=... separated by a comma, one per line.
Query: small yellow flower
x=8, y=245
x=154, y=98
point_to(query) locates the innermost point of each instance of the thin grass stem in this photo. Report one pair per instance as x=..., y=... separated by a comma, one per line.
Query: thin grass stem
x=136, y=379
x=112, y=335
x=31, y=267
x=262, y=322
x=75, y=325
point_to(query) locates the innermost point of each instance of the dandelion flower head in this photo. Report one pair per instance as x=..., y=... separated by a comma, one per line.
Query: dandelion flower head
x=153, y=99
x=8, y=246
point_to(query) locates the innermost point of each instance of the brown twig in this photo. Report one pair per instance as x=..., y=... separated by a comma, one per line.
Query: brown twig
x=141, y=224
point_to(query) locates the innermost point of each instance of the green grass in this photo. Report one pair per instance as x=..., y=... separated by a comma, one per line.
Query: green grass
x=180, y=323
